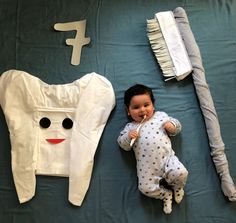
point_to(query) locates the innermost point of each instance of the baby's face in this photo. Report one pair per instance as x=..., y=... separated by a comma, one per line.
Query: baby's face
x=140, y=105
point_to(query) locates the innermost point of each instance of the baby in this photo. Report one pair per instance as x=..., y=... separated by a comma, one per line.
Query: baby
x=156, y=160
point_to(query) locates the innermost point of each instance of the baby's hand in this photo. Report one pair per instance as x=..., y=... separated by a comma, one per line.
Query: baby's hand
x=133, y=134
x=169, y=127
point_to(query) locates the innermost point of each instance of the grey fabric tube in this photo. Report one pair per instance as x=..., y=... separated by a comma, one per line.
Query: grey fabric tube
x=207, y=105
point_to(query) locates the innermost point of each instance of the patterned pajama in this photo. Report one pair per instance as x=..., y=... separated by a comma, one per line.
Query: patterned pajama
x=155, y=158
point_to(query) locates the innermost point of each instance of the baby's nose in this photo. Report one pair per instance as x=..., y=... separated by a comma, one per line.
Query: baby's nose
x=142, y=108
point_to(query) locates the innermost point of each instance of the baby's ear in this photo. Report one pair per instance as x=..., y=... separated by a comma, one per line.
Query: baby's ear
x=127, y=110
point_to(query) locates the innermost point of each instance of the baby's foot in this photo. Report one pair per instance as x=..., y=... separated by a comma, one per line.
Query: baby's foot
x=167, y=201
x=178, y=194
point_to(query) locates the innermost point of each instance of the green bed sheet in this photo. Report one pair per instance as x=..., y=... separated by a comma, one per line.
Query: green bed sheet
x=120, y=51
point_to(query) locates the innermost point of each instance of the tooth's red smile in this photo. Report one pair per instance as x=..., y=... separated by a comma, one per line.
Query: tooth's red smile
x=55, y=141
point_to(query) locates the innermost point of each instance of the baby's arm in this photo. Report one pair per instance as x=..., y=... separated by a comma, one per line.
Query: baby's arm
x=173, y=126
x=125, y=137
x=133, y=134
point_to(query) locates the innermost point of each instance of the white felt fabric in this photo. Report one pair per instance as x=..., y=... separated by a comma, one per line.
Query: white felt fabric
x=175, y=45
x=25, y=99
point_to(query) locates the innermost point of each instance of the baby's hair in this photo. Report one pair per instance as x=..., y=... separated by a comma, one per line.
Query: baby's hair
x=137, y=89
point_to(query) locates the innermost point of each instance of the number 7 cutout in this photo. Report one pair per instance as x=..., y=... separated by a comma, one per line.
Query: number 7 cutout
x=78, y=42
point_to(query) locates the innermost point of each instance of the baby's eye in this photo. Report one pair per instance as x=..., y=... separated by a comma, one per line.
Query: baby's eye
x=45, y=122
x=67, y=123
x=134, y=107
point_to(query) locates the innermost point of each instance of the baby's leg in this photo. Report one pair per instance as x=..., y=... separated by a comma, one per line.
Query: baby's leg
x=167, y=202
x=156, y=191
x=178, y=194
x=176, y=176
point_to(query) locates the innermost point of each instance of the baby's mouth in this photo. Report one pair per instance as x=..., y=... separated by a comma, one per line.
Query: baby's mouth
x=143, y=116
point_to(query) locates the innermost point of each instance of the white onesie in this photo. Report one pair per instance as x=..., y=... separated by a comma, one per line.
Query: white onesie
x=155, y=157
x=54, y=129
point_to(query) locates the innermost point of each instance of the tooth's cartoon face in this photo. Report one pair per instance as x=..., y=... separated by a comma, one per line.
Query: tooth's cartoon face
x=55, y=128
x=45, y=123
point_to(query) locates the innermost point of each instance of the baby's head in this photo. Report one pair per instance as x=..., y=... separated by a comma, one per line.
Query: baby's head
x=139, y=102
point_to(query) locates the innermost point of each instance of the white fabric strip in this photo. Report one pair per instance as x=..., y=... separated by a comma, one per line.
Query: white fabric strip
x=179, y=56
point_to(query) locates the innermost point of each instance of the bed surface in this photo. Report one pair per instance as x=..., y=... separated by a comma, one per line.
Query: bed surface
x=119, y=50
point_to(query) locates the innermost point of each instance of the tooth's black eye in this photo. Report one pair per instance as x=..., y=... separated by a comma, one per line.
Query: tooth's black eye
x=67, y=123
x=45, y=122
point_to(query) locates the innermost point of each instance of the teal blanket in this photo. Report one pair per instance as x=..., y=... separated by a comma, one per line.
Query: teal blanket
x=120, y=51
